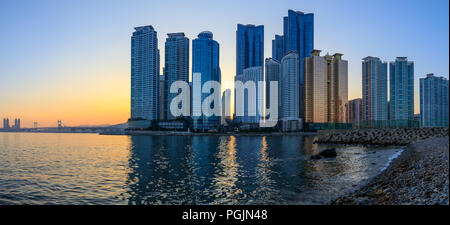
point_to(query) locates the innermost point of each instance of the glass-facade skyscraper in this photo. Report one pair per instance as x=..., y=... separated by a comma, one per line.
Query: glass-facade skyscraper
x=205, y=61
x=401, y=92
x=298, y=36
x=375, y=92
x=176, y=66
x=434, y=99
x=249, y=47
x=277, y=48
x=144, y=74
x=288, y=87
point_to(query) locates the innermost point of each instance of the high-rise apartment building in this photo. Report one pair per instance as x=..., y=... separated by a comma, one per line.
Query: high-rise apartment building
x=434, y=99
x=326, y=87
x=205, y=61
x=249, y=47
x=288, y=87
x=176, y=66
x=316, y=88
x=401, y=92
x=375, y=92
x=144, y=74
x=337, y=88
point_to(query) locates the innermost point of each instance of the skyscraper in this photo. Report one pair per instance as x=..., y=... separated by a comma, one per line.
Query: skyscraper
x=401, y=92
x=434, y=99
x=277, y=48
x=316, y=88
x=337, y=88
x=205, y=60
x=374, y=101
x=298, y=36
x=176, y=65
x=288, y=87
x=273, y=73
x=144, y=74
x=326, y=81
x=249, y=47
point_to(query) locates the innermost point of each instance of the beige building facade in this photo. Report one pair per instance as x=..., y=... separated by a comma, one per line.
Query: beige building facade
x=326, y=88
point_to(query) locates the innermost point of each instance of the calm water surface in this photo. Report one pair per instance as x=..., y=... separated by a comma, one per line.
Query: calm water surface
x=39, y=168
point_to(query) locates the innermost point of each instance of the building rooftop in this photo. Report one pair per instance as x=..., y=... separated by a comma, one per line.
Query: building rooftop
x=144, y=27
x=173, y=35
x=205, y=34
x=316, y=52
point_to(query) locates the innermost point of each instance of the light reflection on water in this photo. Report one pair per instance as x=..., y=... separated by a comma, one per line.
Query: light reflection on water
x=95, y=169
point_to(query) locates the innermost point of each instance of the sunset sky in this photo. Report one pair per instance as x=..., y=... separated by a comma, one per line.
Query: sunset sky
x=70, y=60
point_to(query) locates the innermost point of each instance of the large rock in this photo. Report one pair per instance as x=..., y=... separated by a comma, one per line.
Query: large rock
x=327, y=153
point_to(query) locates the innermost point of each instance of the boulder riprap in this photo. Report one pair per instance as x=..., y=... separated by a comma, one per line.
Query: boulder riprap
x=391, y=136
x=419, y=176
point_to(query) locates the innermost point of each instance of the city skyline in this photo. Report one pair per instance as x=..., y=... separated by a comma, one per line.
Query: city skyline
x=84, y=78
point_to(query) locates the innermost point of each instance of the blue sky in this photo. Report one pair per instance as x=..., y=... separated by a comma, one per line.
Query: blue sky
x=70, y=59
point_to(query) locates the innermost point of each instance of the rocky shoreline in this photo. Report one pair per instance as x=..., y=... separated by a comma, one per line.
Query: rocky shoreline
x=395, y=136
x=419, y=176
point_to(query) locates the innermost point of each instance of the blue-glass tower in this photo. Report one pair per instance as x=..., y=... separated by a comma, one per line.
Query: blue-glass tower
x=434, y=100
x=205, y=67
x=401, y=92
x=298, y=35
x=249, y=47
x=277, y=48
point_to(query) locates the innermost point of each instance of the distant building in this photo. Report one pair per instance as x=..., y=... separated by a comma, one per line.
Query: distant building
x=6, y=123
x=298, y=36
x=176, y=66
x=144, y=74
x=277, y=48
x=226, y=107
x=16, y=124
x=375, y=94
x=434, y=99
x=249, y=47
x=205, y=61
x=326, y=88
x=354, y=112
x=401, y=92
x=162, y=98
